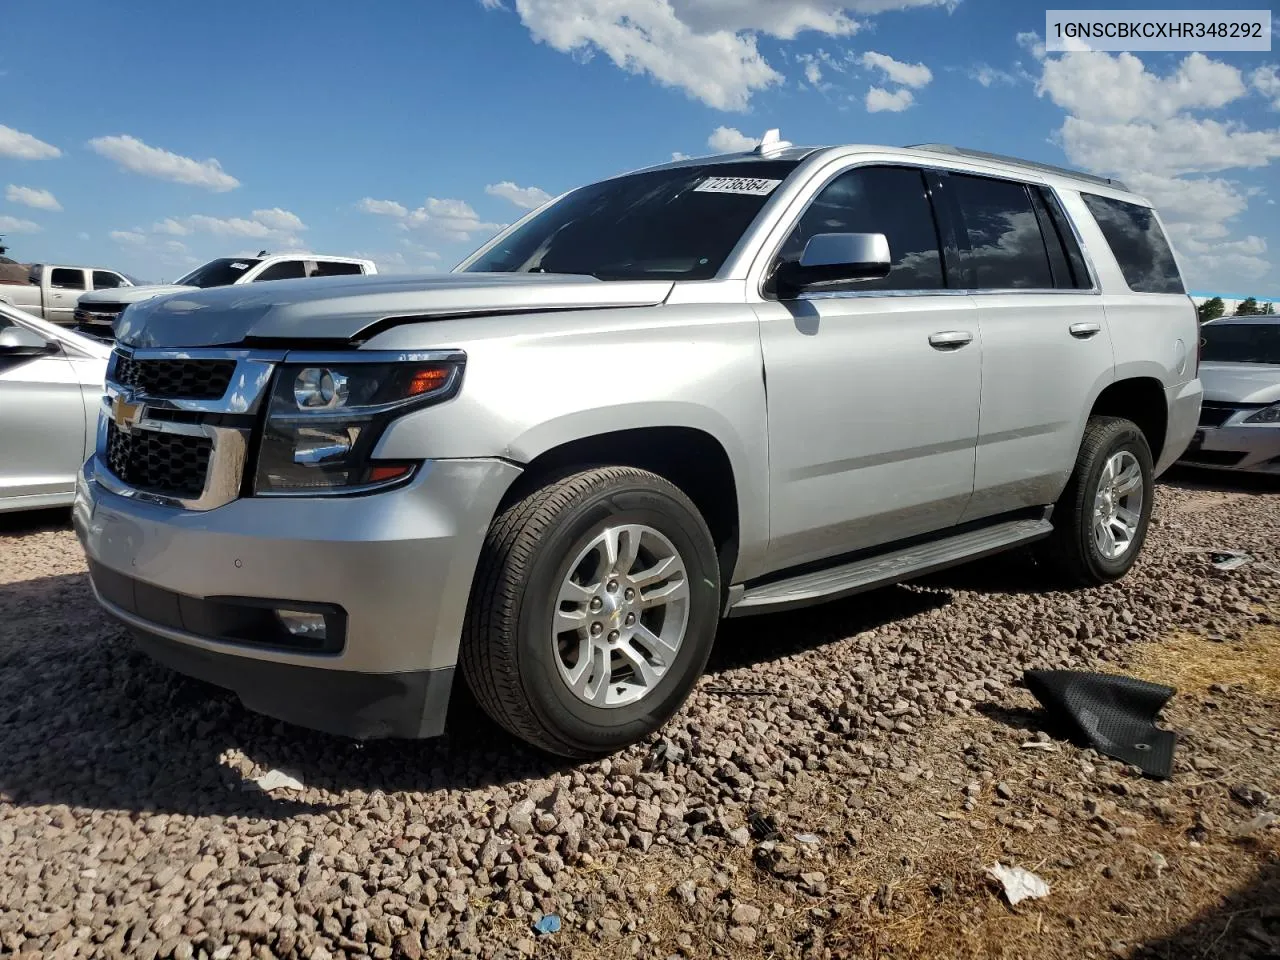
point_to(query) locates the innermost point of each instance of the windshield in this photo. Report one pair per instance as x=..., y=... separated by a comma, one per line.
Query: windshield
x=676, y=224
x=217, y=273
x=1241, y=342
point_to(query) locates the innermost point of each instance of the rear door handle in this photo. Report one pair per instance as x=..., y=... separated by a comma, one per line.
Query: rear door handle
x=1083, y=331
x=950, y=339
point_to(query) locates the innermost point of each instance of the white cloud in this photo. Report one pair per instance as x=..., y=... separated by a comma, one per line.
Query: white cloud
x=449, y=219
x=386, y=208
x=1266, y=80
x=132, y=154
x=1149, y=130
x=731, y=140
x=1031, y=42
x=82, y=235
x=989, y=76
x=17, y=225
x=879, y=100
x=1119, y=88
x=492, y=4
x=677, y=155
x=281, y=221
x=32, y=197
x=915, y=75
x=23, y=146
x=1170, y=147
x=453, y=219
x=813, y=72
x=272, y=224
x=130, y=238
x=719, y=67
x=527, y=197
x=171, y=227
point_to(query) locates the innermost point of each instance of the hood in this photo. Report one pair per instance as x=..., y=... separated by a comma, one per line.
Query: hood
x=338, y=308
x=128, y=295
x=1241, y=382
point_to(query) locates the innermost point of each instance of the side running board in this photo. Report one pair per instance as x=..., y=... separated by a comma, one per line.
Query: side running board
x=895, y=566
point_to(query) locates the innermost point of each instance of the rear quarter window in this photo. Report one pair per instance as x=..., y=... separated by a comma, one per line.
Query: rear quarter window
x=1139, y=245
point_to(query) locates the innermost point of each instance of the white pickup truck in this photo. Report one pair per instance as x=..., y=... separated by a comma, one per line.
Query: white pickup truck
x=96, y=314
x=51, y=290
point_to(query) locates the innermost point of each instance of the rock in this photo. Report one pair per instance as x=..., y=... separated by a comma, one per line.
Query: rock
x=746, y=915
x=746, y=936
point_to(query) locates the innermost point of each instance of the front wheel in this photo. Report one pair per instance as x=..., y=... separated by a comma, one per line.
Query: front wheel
x=595, y=605
x=1100, y=521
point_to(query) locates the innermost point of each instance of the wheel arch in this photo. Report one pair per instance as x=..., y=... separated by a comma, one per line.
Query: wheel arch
x=1139, y=399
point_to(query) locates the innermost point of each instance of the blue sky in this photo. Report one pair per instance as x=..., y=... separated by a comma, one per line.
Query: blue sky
x=153, y=136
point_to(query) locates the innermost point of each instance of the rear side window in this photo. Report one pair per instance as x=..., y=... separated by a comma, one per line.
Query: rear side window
x=1069, y=270
x=328, y=268
x=1138, y=243
x=1240, y=342
x=888, y=200
x=66, y=279
x=1006, y=248
x=284, y=270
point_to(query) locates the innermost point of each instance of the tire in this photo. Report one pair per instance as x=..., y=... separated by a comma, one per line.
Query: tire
x=518, y=667
x=1073, y=552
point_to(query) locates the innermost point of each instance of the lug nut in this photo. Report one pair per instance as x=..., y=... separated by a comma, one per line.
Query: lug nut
x=631, y=618
x=613, y=636
x=597, y=628
x=613, y=586
x=630, y=593
x=596, y=604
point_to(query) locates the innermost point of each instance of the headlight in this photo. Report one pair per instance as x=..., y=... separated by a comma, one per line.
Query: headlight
x=324, y=419
x=1269, y=414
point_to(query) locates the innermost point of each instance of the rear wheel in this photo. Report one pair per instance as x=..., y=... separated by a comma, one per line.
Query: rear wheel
x=594, y=609
x=1100, y=521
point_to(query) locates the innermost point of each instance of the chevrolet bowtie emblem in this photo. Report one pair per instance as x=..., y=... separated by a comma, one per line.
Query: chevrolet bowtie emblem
x=125, y=415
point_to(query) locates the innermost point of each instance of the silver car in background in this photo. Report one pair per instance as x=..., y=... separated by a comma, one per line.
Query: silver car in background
x=51, y=384
x=1240, y=416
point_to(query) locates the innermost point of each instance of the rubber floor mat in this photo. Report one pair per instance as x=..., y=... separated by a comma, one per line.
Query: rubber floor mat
x=1113, y=714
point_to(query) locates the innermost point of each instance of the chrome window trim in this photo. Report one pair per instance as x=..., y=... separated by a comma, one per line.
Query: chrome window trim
x=760, y=263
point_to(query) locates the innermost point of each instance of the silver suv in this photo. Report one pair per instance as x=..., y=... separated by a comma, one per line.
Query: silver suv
x=713, y=388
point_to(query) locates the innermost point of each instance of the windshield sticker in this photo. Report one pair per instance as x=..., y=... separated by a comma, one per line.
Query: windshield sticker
x=743, y=186
x=239, y=266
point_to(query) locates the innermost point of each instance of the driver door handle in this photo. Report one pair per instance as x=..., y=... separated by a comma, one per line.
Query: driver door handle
x=1083, y=331
x=950, y=339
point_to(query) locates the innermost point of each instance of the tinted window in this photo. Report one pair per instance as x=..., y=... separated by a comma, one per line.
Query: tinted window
x=217, y=273
x=678, y=224
x=1138, y=244
x=105, y=280
x=66, y=279
x=1006, y=248
x=284, y=270
x=888, y=200
x=1066, y=236
x=1241, y=342
x=327, y=268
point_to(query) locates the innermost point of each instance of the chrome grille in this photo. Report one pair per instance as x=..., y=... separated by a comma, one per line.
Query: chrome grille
x=185, y=379
x=172, y=464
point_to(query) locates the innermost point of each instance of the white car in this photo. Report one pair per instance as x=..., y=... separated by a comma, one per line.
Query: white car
x=51, y=385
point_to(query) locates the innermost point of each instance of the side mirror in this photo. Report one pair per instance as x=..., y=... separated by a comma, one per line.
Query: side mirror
x=831, y=258
x=16, y=341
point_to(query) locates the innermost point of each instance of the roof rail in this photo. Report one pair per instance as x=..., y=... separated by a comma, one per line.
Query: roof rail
x=1031, y=164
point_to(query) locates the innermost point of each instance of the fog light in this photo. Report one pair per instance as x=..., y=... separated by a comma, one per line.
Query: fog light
x=302, y=623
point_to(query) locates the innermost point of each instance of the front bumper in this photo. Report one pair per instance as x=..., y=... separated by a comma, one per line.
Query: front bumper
x=1252, y=447
x=397, y=566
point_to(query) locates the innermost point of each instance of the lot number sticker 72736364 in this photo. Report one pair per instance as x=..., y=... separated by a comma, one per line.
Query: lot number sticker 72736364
x=745, y=186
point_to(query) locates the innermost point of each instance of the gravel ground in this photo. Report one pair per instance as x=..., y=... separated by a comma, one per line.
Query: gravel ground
x=835, y=786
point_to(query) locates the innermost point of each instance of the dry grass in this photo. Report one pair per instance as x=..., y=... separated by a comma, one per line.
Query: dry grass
x=1194, y=663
